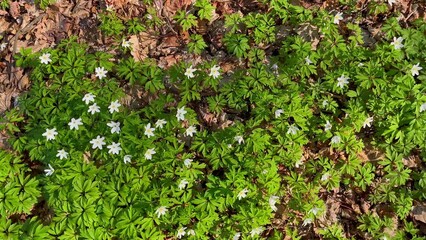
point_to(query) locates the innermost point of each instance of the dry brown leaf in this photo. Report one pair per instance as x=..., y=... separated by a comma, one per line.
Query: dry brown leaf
x=208, y=117
x=362, y=156
x=14, y=9
x=172, y=6
x=168, y=61
x=5, y=102
x=86, y=157
x=134, y=43
x=6, y=98
x=419, y=213
x=224, y=122
x=223, y=8
x=412, y=161
x=332, y=213
x=141, y=45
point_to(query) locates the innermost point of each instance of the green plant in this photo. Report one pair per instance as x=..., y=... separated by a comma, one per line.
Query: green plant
x=111, y=25
x=237, y=44
x=298, y=127
x=134, y=26
x=4, y=4
x=205, y=9
x=197, y=44
x=185, y=20
x=43, y=3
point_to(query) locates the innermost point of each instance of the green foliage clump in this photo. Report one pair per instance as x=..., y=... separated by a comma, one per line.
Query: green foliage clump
x=129, y=150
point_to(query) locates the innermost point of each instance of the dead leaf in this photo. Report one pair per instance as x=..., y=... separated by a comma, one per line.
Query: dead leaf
x=86, y=157
x=134, y=43
x=141, y=45
x=172, y=6
x=223, y=8
x=14, y=9
x=419, y=213
x=412, y=161
x=168, y=61
x=223, y=121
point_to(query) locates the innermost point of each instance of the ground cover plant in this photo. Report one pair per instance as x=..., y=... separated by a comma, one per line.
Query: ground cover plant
x=317, y=131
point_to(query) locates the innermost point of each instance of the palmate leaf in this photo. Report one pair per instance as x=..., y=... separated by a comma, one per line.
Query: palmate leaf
x=9, y=200
x=206, y=221
x=259, y=140
x=130, y=70
x=71, y=233
x=33, y=229
x=96, y=232
x=128, y=222
x=84, y=213
x=9, y=230
x=202, y=203
x=153, y=233
x=206, y=10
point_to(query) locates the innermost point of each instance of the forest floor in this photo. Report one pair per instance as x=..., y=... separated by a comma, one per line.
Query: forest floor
x=24, y=25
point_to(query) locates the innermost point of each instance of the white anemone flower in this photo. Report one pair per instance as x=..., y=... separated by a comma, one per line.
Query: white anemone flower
x=189, y=73
x=113, y=107
x=256, y=231
x=183, y=183
x=98, y=142
x=338, y=17
x=292, y=129
x=278, y=113
x=190, y=131
x=50, y=134
x=336, y=139
x=160, y=123
x=45, y=58
x=94, y=108
x=161, y=211
x=190, y=232
x=415, y=70
x=214, y=72
x=149, y=153
x=49, y=171
x=325, y=177
x=75, y=123
x=187, y=162
x=125, y=43
x=342, y=81
x=62, y=154
x=242, y=194
x=239, y=139
x=149, y=131
x=88, y=98
x=3, y=46
x=367, y=122
x=127, y=158
x=100, y=72
x=115, y=126
x=180, y=115
x=397, y=43
x=181, y=232
x=423, y=107
x=327, y=126
x=114, y=148
x=236, y=236
x=272, y=201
